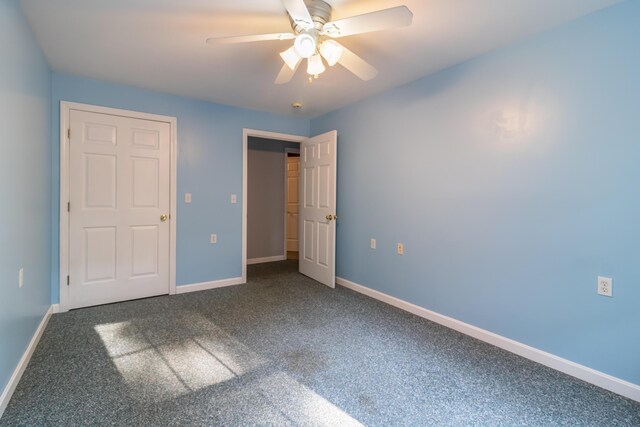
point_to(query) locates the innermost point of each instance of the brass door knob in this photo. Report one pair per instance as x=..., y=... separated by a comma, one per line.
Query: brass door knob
x=164, y=217
x=330, y=217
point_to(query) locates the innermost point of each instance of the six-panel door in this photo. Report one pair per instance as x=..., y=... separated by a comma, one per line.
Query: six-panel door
x=119, y=189
x=318, y=208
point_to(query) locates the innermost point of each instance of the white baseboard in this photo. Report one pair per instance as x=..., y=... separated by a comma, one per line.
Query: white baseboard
x=600, y=379
x=55, y=308
x=24, y=361
x=183, y=289
x=266, y=259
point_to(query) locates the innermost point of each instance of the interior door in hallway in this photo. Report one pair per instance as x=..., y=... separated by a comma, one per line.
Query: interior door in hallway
x=119, y=191
x=293, y=205
x=318, y=159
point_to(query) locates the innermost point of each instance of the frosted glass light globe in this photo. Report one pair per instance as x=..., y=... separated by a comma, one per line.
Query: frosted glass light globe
x=305, y=45
x=315, y=65
x=332, y=52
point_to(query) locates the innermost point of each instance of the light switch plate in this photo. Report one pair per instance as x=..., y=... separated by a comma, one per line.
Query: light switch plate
x=373, y=243
x=400, y=249
x=187, y=197
x=214, y=239
x=21, y=278
x=234, y=199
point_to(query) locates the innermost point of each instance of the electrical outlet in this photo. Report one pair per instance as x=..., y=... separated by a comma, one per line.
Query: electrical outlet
x=400, y=249
x=214, y=239
x=187, y=197
x=373, y=243
x=234, y=199
x=21, y=278
x=605, y=286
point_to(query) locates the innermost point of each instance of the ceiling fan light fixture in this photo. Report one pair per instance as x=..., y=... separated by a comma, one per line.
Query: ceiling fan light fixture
x=291, y=57
x=315, y=65
x=305, y=45
x=331, y=51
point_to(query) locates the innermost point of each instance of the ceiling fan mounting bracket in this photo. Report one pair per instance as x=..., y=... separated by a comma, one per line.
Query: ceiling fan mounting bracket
x=320, y=12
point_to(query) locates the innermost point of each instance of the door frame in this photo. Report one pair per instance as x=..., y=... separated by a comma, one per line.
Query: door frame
x=246, y=133
x=288, y=151
x=65, y=111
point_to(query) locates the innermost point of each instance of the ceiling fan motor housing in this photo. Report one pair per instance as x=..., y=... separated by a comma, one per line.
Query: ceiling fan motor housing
x=320, y=12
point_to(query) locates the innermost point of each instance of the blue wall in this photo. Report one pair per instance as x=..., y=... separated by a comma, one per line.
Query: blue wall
x=209, y=167
x=25, y=231
x=513, y=181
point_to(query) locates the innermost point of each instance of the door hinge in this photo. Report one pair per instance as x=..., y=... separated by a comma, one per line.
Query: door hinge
x=68, y=206
x=68, y=280
x=69, y=133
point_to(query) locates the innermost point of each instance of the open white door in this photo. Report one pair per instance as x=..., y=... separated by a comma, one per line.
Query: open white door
x=318, y=208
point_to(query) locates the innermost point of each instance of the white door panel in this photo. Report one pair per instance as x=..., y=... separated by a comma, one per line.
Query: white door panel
x=308, y=237
x=99, y=258
x=119, y=186
x=145, y=182
x=317, y=214
x=144, y=262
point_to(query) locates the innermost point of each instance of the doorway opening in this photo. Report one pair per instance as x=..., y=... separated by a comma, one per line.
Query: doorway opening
x=316, y=212
x=271, y=200
x=266, y=228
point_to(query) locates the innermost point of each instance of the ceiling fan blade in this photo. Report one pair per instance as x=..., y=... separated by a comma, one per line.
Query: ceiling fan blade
x=251, y=38
x=385, y=19
x=286, y=74
x=357, y=65
x=299, y=12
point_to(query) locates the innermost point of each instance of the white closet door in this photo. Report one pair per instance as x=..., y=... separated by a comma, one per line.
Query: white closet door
x=119, y=190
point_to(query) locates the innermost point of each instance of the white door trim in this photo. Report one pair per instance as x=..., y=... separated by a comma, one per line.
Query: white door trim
x=65, y=109
x=287, y=151
x=246, y=133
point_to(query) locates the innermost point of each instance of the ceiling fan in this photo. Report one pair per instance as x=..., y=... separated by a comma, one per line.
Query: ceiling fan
x=313, y=34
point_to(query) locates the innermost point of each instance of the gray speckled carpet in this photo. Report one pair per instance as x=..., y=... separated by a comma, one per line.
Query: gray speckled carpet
x=284, y=350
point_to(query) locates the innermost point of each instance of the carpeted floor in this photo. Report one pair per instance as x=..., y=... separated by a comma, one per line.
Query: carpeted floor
x=284, y=350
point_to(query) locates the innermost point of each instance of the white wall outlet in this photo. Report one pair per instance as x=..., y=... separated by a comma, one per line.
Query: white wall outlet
x=373, y=243
x=605, y=286
x=400, y=249
x=234, y=199
x=21, y=278
x=214, y=239
x=187, y=197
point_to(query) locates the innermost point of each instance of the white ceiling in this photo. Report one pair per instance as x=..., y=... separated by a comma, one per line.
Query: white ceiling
x=160, y=44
